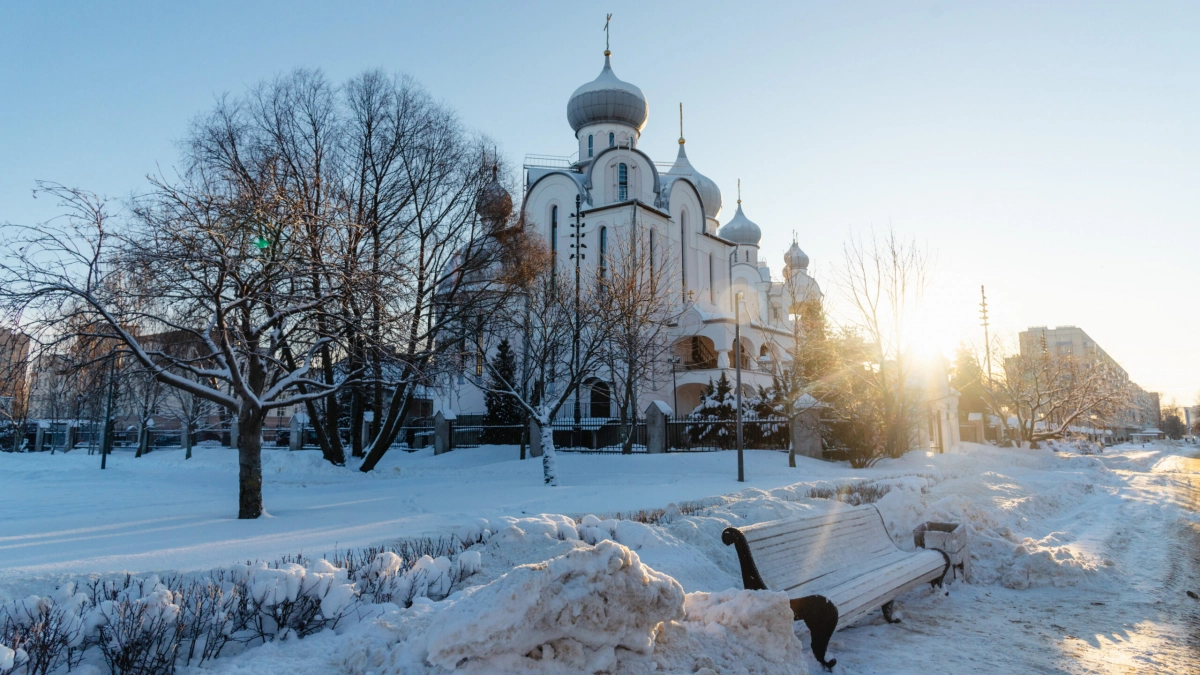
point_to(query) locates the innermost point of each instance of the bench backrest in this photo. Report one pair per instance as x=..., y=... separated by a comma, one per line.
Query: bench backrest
x=795, y=551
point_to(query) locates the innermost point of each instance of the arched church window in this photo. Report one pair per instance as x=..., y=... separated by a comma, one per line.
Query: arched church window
x=612, y=139
x=652, y=242
x=683, y=250
x=604, y=250
x=622, y=182
x=747, y=255
x=591, y=140
x=710, y=279
x=554, y=229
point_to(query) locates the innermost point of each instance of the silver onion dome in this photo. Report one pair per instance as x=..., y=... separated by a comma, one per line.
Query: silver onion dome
x=607, y=99
x=741, y=230
x=795, y=258
x=709, y=192
x=494, y=201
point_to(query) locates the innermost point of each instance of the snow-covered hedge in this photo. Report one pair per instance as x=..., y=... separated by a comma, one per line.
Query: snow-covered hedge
x=150, y=625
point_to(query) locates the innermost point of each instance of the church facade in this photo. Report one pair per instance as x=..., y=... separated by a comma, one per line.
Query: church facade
x=617, y=186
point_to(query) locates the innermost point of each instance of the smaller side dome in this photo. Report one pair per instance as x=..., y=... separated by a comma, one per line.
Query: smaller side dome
x=795, y=259
x=495, y=203
x=709, y=192
x=741, y=230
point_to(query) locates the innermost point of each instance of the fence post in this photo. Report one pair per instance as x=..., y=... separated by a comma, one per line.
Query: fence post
x=72, y=437
x=535, y=438
x=443, y=432
x=296, y=432
x=368, y=417
x=657, y=414
x=40, y=440
x=806, y=433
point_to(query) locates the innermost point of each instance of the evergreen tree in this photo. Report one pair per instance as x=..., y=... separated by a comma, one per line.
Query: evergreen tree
x=967, y=377
x=502, y=408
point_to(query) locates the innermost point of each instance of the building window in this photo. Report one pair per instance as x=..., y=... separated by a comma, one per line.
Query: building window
x=591, y=141
x=747, y=255
x=622, y=183
x=710, y=280
x=683, y=251
x=612, y=139
x=604, y=250
x=554, y=229
x=652, y=237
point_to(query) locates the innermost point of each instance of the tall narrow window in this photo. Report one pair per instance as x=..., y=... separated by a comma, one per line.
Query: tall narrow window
x=683, y=250
x=622, y=183
x=554, y=229
x=747, y=255
x=612, y=139
x=604, y=250
x=652, y=237
x=710, y=280
x=591, y=146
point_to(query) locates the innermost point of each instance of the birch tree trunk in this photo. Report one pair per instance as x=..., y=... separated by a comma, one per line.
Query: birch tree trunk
x=549, y=459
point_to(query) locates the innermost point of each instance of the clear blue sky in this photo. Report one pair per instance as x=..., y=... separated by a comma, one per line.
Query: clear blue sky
x=1048, y=150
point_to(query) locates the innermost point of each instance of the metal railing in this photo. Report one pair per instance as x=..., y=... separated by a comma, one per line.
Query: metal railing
x=548, y=162
x=695, y=433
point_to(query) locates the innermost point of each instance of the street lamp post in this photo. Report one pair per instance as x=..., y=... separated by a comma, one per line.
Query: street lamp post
x=578, y=245
x=737, y=350
x=674, y=361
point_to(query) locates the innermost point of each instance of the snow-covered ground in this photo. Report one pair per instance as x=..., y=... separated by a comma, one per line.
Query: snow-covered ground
x=1081, y=563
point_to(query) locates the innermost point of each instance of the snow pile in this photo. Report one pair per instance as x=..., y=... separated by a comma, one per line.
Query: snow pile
x=593, y=610
x=7, y=659
x=733, y=631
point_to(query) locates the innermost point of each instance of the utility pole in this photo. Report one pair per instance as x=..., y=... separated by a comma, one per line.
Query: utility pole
x=737, y=350
x=987, y=342
x=106, y=442
x=577, y=256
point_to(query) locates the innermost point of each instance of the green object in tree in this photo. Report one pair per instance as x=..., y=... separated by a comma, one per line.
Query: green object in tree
x=261, y=243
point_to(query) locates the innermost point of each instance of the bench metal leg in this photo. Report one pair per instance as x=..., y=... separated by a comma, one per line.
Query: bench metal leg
x=821, y=617
x=888, y=609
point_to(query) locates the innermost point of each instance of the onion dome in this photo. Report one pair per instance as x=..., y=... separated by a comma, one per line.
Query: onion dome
x=795, y=259
x=495, y=203
x=710, y=194
x=607, y=99
x=741, y=230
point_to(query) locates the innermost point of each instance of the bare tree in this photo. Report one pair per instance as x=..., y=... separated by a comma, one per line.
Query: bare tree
x=884, y=280
x=638, y=306
x=545, y=321
x=189, y=259
x=1049, y=394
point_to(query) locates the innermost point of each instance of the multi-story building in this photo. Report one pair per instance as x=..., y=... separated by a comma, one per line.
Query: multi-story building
x=1142, y=409
x=14, y=372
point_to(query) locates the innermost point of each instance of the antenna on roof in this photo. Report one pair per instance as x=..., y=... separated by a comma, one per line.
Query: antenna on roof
x=606, y=20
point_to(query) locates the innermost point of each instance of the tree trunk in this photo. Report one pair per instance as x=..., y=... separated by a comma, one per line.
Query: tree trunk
x=187, y=439
x=249, y=445
x=549, y=460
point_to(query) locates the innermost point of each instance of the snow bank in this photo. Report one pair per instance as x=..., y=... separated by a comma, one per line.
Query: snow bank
x=593, y=610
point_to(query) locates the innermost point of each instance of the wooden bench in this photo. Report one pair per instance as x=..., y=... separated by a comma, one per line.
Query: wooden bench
x=836, y=567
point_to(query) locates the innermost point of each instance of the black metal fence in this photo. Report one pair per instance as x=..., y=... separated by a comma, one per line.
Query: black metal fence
x=597, y=434
x=710, y=434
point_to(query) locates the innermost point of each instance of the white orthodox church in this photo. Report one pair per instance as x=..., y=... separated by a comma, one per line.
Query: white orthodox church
x=619, y=186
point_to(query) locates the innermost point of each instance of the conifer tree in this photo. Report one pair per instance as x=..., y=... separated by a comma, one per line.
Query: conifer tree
x=502, y=408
